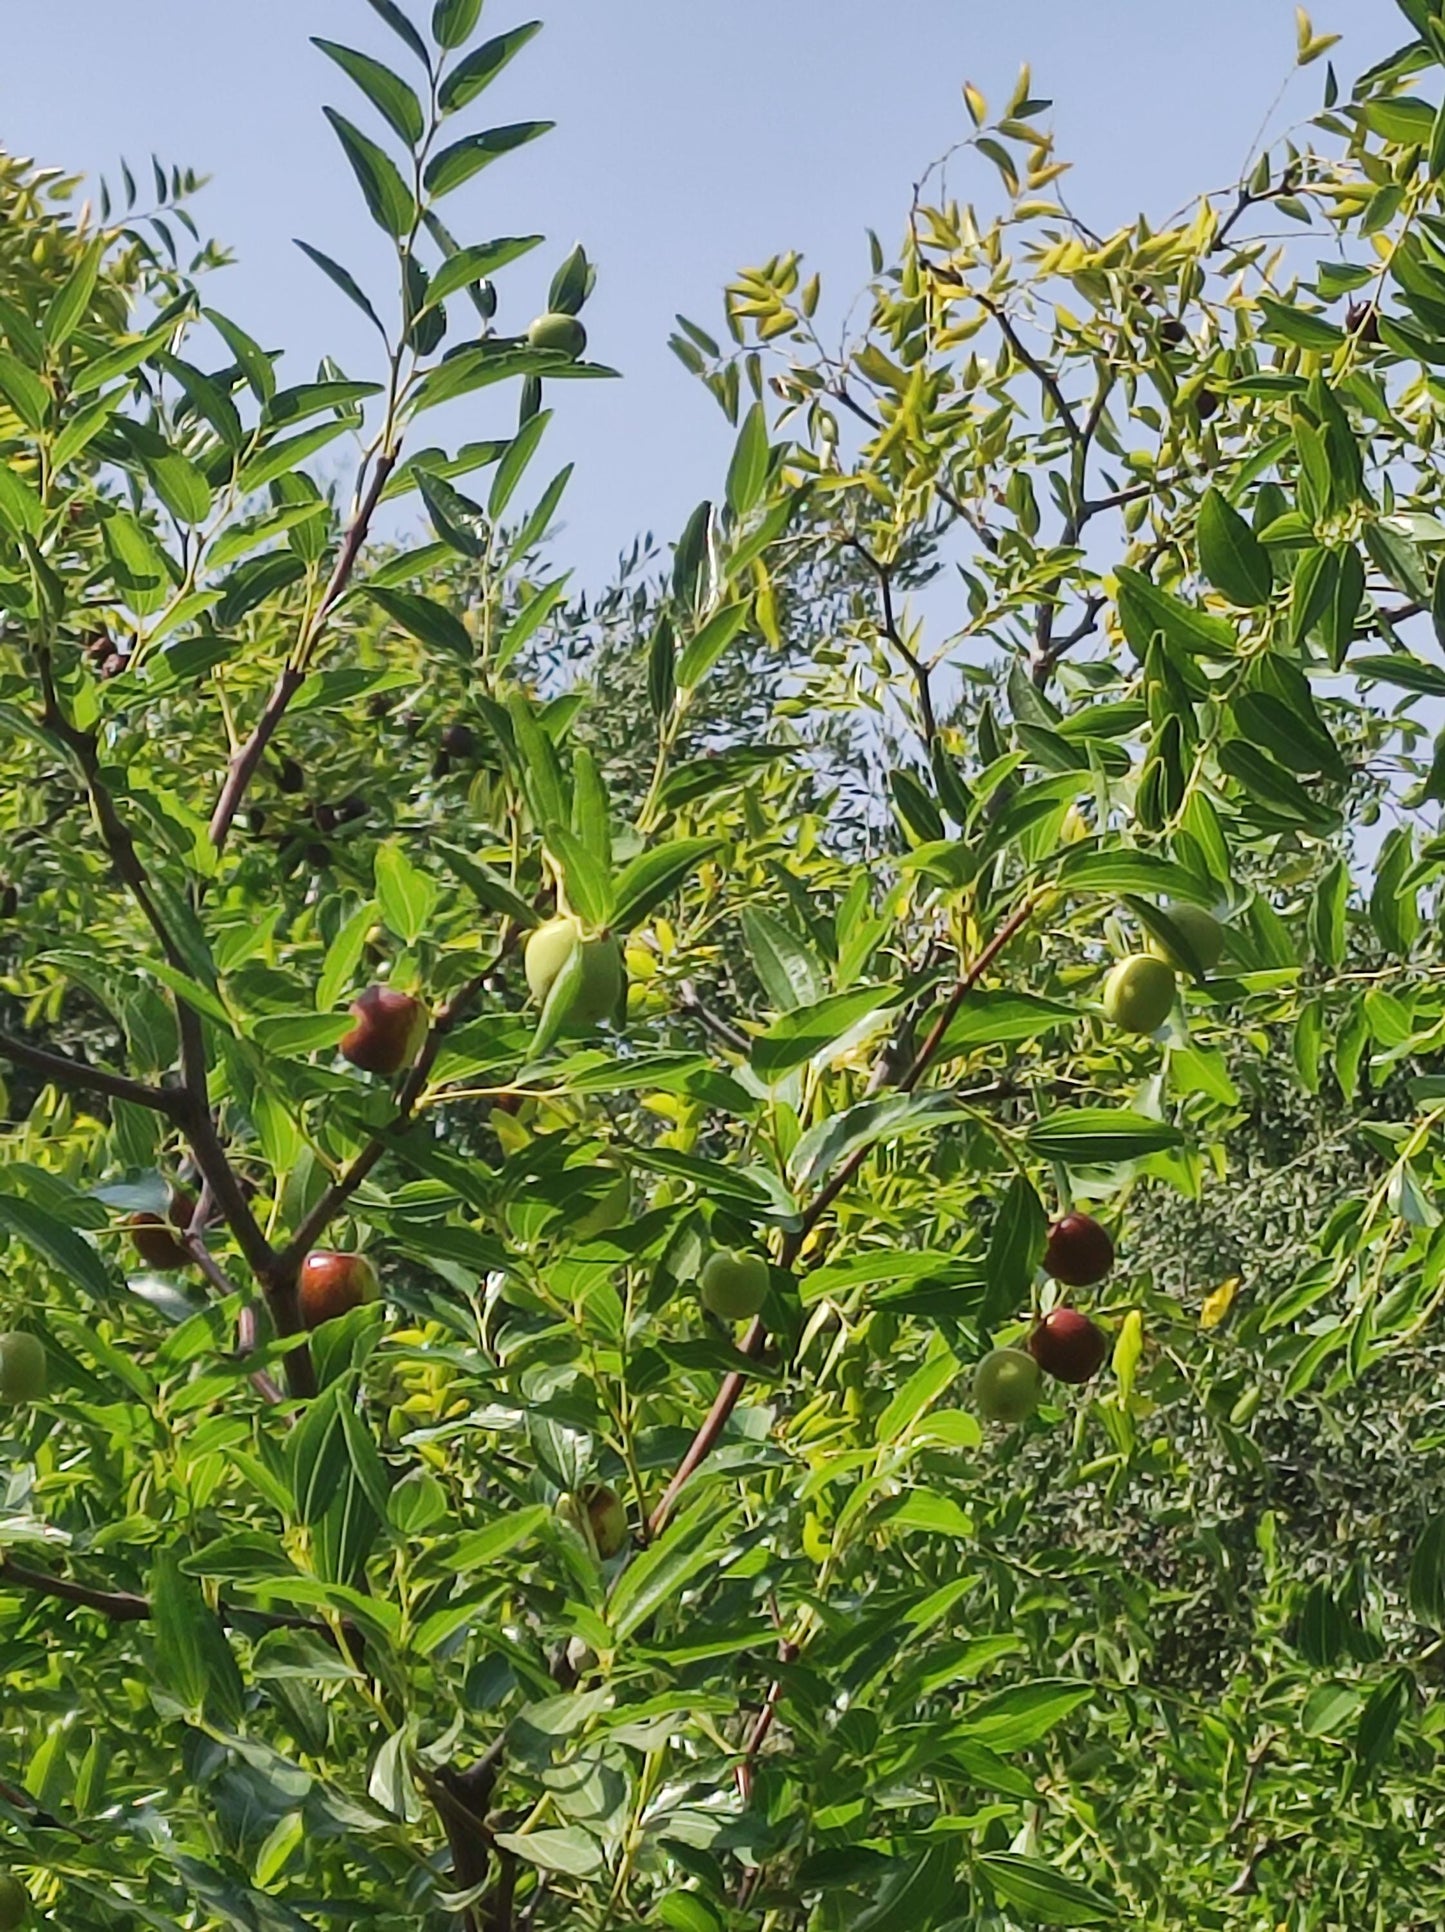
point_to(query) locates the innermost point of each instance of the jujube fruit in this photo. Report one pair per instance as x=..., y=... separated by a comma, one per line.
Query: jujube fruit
x=597, y=1510
x=1203, y=932
x=733, y=1285
x=1006, y=1385
x=14, y=1903
x=154, y=1241
x=458, y=741
x=600, y=985
x=390, y=1029
x=1078, y=1251
x=564, y=333
x=1139, y=993
x=23, y=1372
x=1068, y=1346
x=332, y=1284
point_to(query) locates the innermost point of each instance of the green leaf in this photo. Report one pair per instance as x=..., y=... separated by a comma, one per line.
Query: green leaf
x=20, y=508
x=1231, y=555
x=200, y=1669
x=569, y=1849
x=24, y=391
x=387, y=196
x=1100, y=1136
x=748, y=471
x=798, y=1036
x=425, y=619
x=279, y=459
x=481, y=67
x=991, y=1017
x=454, y=21
x=480, y=1549
x=703, y=651
x=254, y=363
x=344, y=280
x=1285, y=323
x=476, y=263
x=1146, y=611
x=404, y=895
x=1015, y=1248
x=869, y=1123
x=318, y=1454
x=512, y=467
x=654, y=876
x=388, y=93
x=68, y=308
x=1427, y=1576
x=691, y=1544
x=464, y=158
x=1022, y=1716
x=1042, y=1893
x=789, y=970
x=402, y=28
x=65, y=1249
x=589, y=888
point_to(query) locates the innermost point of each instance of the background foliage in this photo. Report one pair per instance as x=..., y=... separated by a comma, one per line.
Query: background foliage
x=1088, y=575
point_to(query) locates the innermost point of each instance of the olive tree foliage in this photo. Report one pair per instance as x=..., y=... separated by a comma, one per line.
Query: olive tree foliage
x=310, y=1626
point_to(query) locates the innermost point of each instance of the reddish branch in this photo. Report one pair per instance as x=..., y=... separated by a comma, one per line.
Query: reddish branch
x=732, y=1386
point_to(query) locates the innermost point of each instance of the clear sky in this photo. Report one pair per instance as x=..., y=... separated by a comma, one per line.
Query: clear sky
x=693, y=138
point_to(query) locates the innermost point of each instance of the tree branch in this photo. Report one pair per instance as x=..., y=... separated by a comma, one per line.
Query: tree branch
x=1046, y=377
x=125, y=1606
x=78, y=1077
x=889, y=629
x=733, y=1384
x=721, y=1030
x=243, y=766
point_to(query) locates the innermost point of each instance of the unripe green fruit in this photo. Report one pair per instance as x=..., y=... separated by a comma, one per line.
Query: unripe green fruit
x=1139, y=993
x=733, y=1286
x=1201, y=929
x=22, y=1367
x=1006, y=1385
x=14, y=1903
x=598, y=992
x=556, y=331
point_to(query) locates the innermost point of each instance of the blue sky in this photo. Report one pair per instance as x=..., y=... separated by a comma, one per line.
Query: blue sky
x=692, y=139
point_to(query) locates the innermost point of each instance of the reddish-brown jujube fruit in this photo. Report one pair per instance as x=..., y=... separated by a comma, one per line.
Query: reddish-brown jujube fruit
x=1068, y=1346
x=389, y=1031
x=1079, y=1251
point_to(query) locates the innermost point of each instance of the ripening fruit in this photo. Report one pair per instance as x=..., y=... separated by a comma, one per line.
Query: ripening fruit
x=549, y=948
x=1006, y=1385
x=154, y=1242
x=557, y=331
x=733, y=1285
x=1139, y=993
x=331, y=1284
x=1078, y=1251
x=606, y=1517
x=14, y=1903
x=22, y=1367
x=1068, y=1346
x=389, y=1032
x=1201, y=929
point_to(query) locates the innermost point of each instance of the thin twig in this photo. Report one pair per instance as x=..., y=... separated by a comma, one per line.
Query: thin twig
x=732, y=1386
x=243, y=765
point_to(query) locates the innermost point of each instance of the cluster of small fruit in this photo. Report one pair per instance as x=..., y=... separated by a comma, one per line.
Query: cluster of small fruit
x=1064, y=1343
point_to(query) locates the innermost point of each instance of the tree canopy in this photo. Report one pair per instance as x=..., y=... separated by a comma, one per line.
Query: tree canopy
x=761, y=1250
